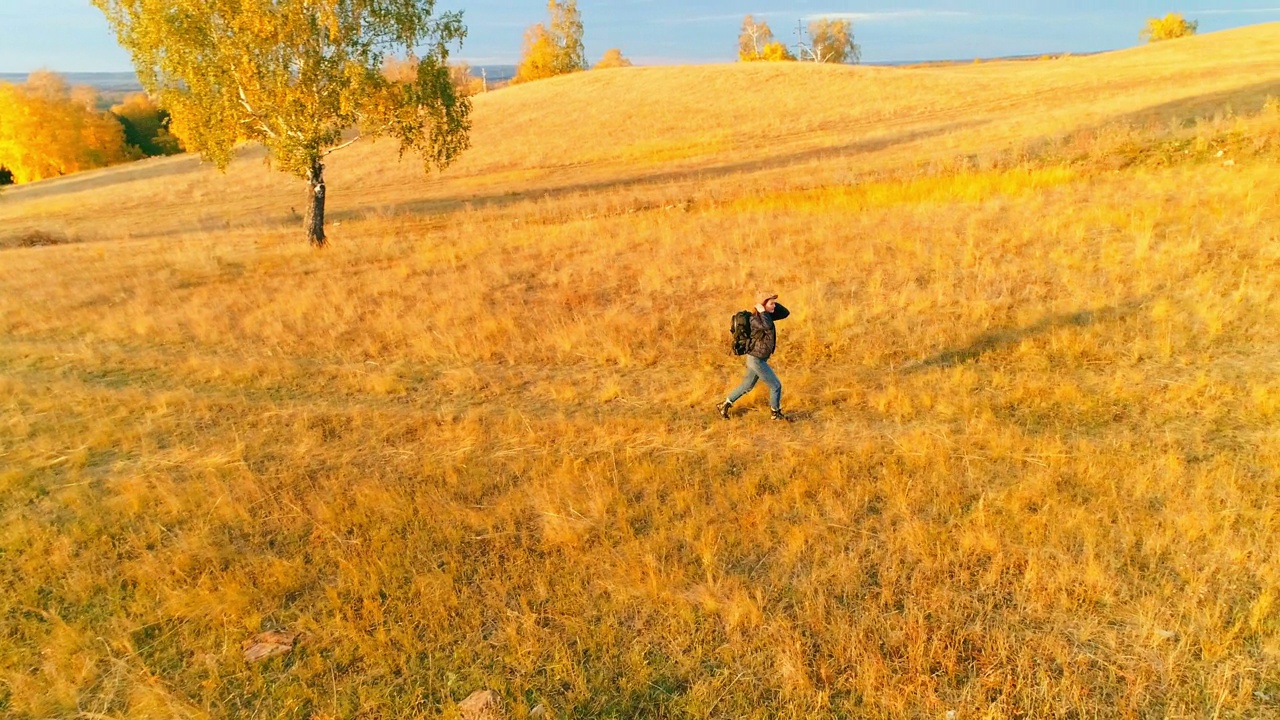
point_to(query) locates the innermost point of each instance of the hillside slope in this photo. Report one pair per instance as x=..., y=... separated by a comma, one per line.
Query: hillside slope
x=473, y=444
x=689, y=131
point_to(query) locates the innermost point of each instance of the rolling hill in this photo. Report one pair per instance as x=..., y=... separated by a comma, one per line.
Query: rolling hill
x=1031, y=364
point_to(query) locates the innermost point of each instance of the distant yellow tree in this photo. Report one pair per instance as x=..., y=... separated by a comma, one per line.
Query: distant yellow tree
x=776, y=52
x=464, y=80
x=756, y=43
x=12, y=150
x=831, y=41
x=538, y=58
x=400, y=69
x=555, y=48
x=48, y=129
x=1169, y=27
x=404, y=70
x=754, y=37
x=612, y=59
x=566, y=30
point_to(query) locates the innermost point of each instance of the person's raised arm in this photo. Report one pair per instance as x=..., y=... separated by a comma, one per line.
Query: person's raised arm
x=779, y=312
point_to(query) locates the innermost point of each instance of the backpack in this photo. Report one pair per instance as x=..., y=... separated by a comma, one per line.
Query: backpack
x=740, y=327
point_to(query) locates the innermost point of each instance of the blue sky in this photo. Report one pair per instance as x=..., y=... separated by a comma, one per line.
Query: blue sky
x=71, y=35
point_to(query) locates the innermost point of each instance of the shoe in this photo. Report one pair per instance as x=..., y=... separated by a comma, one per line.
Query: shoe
x=777, y=415
x=723, y=409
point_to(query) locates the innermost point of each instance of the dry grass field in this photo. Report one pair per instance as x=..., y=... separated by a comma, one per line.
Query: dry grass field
x=1033, y=361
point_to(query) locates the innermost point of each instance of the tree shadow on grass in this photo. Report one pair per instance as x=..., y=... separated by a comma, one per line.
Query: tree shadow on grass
x=1000, y=338
x=1248, y=100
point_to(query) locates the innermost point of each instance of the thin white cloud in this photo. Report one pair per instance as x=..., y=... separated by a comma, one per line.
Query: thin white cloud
x=722, y=18
x=1241, y=11
x=870, y=17
x=478, y=60
x=858, y=17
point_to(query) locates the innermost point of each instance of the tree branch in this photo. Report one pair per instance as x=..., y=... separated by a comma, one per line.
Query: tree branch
x=336, y=148
x=252, y=113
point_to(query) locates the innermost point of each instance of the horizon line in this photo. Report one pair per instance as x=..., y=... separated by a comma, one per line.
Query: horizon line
x=655, y=63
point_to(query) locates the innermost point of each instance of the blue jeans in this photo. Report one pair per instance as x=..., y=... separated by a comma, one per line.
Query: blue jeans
x=758, y=370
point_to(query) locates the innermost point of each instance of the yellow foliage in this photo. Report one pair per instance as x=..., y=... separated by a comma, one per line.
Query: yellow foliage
x=831, y=41
x=776, y=52
x=753, y=39
x=756, y=43
x=405, y=70
x=400, y=69
x=297, y=76
x=555, y=48
x=612, y=59
x=467, y=84
x=538, y=59
x=1169, y=27
x=48, y=129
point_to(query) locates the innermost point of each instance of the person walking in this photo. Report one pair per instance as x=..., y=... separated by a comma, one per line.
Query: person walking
x=764, y=339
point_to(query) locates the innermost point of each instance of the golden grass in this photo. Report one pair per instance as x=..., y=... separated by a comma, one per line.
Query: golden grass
x=1032, y=360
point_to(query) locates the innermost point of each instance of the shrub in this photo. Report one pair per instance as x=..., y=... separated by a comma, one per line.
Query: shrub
x=1169, y=27
x=612, y=59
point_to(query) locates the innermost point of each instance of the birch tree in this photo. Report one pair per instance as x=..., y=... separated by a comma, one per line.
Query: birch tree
x=297, y=76
x=554, y=48
x=831, y=41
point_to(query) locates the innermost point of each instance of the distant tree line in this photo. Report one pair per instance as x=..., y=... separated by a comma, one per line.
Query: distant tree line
x=48, y=128
x=556, y=48
x=825, y=40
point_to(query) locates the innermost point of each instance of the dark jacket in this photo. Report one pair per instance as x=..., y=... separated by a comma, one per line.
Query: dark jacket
x=764, y=337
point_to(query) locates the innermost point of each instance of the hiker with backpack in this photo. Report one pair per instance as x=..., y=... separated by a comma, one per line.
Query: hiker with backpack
x=755, y=336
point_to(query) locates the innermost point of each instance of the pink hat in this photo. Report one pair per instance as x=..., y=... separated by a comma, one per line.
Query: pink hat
x=766, y=297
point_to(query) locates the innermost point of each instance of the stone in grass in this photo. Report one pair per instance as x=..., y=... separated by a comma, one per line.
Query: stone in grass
x=482, y=705
x=268, y=645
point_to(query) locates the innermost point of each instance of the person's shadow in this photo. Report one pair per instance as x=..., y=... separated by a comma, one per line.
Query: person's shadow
x=1006, y=336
